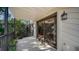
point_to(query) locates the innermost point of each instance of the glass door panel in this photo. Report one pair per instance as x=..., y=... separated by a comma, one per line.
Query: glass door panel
x=47, y=30
x=50, y=31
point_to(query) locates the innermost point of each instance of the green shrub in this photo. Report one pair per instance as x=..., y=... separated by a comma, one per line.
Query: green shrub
x=12, y=45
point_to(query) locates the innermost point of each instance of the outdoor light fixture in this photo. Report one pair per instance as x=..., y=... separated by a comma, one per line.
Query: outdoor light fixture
x=64, y=16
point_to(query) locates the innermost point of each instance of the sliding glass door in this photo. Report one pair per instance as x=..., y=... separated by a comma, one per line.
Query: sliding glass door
x=50, y=31
x=47, y=30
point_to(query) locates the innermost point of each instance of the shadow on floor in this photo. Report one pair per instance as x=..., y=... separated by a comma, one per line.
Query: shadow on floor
x=31, y=44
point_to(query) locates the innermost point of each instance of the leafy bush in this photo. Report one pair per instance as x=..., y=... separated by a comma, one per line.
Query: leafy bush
x=12, y=45
x=21, y=28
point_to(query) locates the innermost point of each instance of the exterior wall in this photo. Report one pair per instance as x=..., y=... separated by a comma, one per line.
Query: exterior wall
x=59, y=29
x=70, y=30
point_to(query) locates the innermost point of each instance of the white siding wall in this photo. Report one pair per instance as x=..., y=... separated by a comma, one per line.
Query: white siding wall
x=59, y=30
x=70, y=30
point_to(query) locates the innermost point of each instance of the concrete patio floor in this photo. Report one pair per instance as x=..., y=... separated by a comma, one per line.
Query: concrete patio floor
x=31, y=44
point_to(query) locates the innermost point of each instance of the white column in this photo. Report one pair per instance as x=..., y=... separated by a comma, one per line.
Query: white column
x=35, y=27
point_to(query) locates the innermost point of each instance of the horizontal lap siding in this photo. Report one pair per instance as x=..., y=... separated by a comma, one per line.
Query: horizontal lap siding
x=70, y=45
x=67, y=36
x=72, y=21
x=70, y=30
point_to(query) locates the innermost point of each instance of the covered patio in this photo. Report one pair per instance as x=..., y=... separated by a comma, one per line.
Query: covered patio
x=31, y=42
x=39, y=29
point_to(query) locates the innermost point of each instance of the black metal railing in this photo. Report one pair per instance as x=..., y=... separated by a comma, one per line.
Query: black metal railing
x=4, y=39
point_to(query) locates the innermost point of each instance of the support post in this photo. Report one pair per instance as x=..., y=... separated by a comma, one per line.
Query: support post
x=6, y=26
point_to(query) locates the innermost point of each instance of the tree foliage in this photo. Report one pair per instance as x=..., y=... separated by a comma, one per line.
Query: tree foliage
x=20, y=28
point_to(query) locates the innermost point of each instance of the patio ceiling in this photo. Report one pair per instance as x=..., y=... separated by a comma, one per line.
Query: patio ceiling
x=33, y=13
